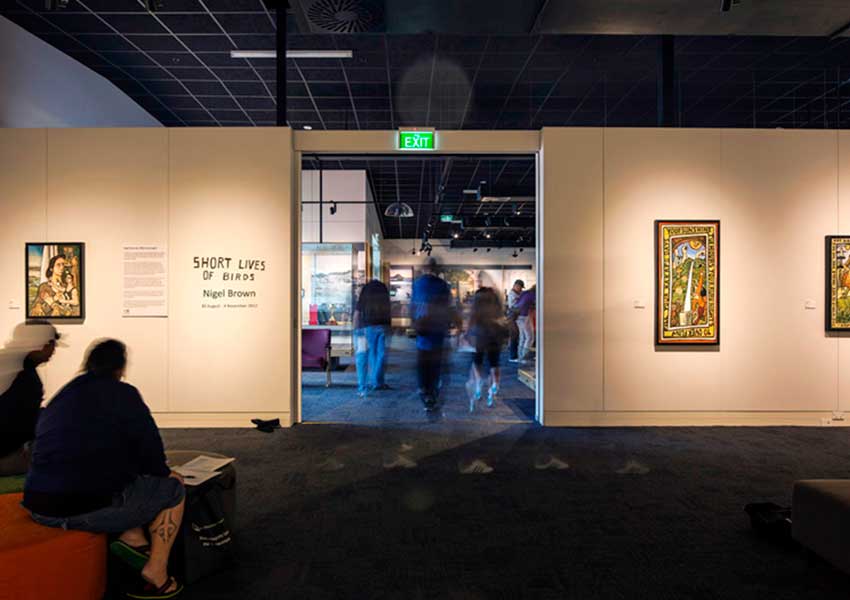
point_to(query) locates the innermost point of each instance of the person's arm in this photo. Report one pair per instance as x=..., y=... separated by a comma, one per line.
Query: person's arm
x=145, y=437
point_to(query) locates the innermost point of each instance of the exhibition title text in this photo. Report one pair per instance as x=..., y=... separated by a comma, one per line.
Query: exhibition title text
x=227, y=268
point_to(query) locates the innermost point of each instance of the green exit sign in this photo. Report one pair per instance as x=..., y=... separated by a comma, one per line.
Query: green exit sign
x=447, y=218
x=415, y=140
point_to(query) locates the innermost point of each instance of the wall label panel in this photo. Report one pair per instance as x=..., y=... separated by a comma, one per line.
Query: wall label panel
x=145, y=282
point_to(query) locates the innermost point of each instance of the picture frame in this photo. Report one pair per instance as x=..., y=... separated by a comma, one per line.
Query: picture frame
x=687, y=282
x=837, y=279
x=54, y=280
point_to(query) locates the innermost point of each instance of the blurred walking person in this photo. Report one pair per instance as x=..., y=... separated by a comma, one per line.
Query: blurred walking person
x=432, y=315
x=525, y=305
x=371, y=322
x=513, y=297
x=488, y=332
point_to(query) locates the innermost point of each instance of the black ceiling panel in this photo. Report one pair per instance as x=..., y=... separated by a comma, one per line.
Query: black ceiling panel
x=180, y=57
x=418, y=181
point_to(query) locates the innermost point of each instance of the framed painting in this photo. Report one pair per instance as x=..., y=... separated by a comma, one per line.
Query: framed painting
x=55, y=280
x=687, y=282
x=837, y=283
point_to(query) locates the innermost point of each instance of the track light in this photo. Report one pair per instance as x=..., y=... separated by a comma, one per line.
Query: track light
x=488, y=249
x=515, y=254
x=521, y=249
x=475, y=249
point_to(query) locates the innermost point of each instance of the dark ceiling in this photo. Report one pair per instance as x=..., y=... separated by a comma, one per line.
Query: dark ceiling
x=176, y=64
x=492, y=64
x=433, y=186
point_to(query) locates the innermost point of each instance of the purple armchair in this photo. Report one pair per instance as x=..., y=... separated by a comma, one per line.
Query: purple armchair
x=316, y=351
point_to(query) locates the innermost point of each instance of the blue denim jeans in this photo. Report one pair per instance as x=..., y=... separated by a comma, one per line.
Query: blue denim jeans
x=140, y=502
x=369, y=354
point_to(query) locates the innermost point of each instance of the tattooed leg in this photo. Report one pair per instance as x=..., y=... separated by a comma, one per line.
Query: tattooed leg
x=163, y=531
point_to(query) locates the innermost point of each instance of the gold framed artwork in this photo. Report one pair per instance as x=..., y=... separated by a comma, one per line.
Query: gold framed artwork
x=837, y=283
x=54, y=280
x=687, y=282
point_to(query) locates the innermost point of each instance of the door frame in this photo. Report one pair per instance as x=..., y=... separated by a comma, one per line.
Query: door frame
x=464, y=142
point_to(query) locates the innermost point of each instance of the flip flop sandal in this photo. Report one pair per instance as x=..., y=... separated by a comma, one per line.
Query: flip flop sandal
x=134, y=556
x=151, y=592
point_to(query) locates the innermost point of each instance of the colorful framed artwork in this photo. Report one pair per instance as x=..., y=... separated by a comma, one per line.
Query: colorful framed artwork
x=837, y=283
x=687, y=282
x=55, y=280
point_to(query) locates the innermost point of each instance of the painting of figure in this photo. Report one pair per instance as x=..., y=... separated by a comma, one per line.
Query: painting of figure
x=54, y=280
x=687, y=305
x=837, y=283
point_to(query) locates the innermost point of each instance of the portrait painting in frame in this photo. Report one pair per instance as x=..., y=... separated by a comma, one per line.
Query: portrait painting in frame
x=55, y=286
x=687, y=281
x=837, y=283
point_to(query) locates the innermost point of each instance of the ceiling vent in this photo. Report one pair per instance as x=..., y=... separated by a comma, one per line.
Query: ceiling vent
x=346, y=16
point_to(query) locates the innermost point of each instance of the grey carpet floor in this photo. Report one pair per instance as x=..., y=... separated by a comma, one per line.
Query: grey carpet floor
x=339, y=403
x=649, y=513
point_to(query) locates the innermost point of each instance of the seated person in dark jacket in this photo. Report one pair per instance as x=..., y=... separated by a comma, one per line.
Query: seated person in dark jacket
x=32, y=344
x=98, y=465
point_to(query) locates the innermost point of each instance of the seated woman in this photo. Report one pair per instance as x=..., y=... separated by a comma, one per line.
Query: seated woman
x=98, y=465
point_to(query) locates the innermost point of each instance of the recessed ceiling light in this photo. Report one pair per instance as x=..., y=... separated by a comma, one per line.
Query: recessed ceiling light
x=292, y=54
x=308, y=127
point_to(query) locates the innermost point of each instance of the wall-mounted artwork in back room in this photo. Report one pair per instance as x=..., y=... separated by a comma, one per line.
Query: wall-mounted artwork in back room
x=55, y=285
x=837, y=283
x=687, y=280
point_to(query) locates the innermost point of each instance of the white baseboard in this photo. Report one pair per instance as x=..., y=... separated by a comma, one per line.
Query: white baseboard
x=229, y=419
x=689, y=418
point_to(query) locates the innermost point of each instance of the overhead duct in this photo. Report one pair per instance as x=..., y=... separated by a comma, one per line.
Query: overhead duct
x=344, y=16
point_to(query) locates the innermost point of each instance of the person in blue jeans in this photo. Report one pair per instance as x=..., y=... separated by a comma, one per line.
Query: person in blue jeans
x=371, y=321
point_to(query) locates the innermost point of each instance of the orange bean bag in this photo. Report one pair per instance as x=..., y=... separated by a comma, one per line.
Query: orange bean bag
x=38, y=563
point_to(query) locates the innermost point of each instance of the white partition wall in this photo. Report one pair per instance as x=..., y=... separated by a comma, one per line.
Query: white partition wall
x=229, y=193
x=776, y=194
x=198, y=192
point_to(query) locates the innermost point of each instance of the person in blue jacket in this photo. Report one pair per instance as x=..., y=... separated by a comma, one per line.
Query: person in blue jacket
x=432, y=314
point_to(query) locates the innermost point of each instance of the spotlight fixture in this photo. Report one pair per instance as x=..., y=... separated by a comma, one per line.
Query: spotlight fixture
x=455, y=235
x=413, y=251
x=515, y=254
x=308, y=128
x=333, y=208
x=487, y=235
x=521, y=249
x=399, y=210
x=488, y=249
x=475, y=249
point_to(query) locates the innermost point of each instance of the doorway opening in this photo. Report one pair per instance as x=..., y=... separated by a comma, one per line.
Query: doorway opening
x=390, y=218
